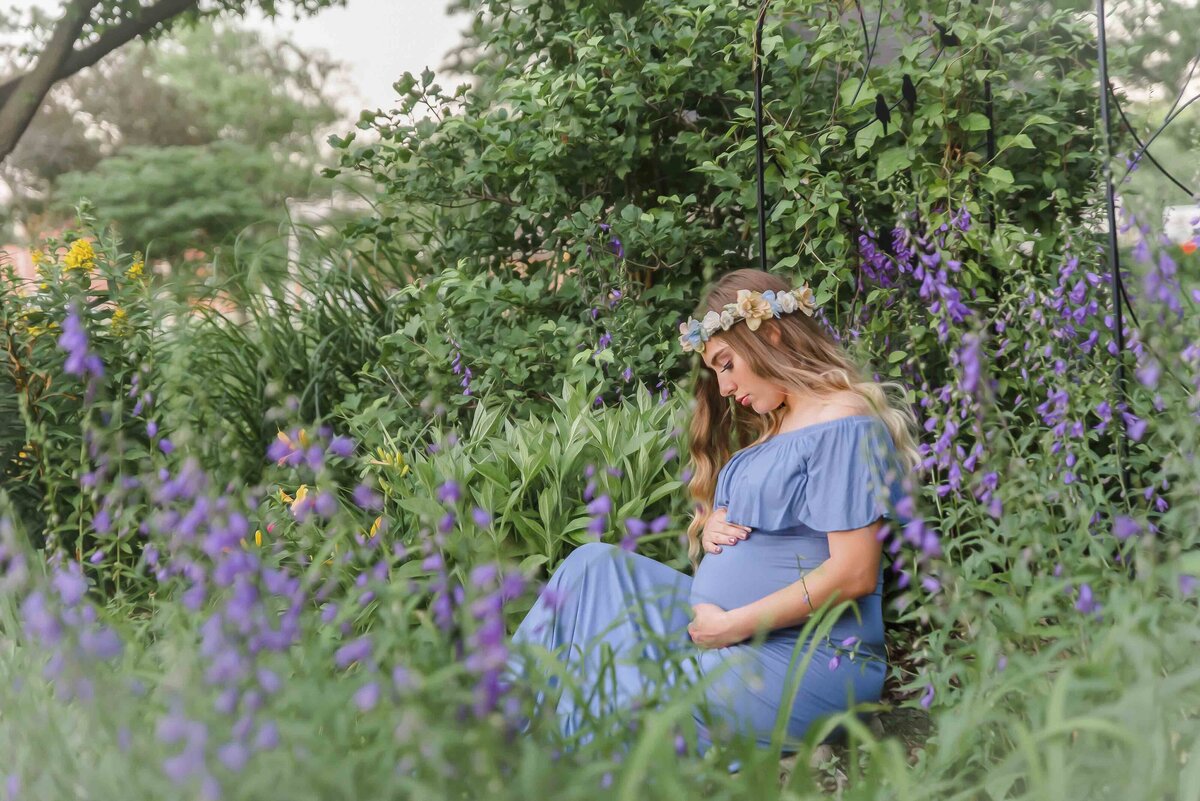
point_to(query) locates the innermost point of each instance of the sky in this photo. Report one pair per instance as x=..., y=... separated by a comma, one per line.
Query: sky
x=377, y=40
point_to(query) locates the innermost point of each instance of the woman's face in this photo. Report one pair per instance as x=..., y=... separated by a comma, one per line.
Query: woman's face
x=735, y=379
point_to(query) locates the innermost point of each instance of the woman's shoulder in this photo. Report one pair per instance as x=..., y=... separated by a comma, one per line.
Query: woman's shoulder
x=835, y=407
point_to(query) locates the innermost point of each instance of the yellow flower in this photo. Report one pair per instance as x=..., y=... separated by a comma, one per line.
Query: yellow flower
x=301, y=494
x=566, y=255
x=375, y=526
x=81, y=256
x=120, y=322
x=36, y=331
x=392, y=459
x=754, y=307
x=258, y=537
x=38, y=257
x=135, y=269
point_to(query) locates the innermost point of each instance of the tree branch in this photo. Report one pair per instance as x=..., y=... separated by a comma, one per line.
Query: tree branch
x=74, y=60
x=18, y=110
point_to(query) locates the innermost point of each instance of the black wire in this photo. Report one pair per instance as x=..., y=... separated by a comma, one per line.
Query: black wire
x=1170, y=118
x=758, y=132
x=869, y=45
x=1145, y=148
x=1114, y=259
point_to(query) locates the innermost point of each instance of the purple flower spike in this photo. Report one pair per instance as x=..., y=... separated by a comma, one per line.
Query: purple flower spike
x=367, y=498
x=342, y=446
x=356, y=651
x=1125, y=527
x=1086, y=602
x=367, y=696
x=600, y=506
x=481, y=516
x=449, y=492
x=636, y=527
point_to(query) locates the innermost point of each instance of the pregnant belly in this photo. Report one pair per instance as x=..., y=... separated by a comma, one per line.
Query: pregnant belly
x=764, y=563
x=756, y=567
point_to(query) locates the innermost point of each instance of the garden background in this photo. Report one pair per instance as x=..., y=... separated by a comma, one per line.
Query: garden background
x=276, y=487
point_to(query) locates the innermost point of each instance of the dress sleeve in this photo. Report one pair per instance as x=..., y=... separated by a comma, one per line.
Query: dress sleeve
x=852, y=478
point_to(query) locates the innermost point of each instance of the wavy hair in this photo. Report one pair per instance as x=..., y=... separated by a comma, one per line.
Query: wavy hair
x=806, y=360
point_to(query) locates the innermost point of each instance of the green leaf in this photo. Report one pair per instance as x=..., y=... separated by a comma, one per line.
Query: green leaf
x=892, y=161
x=1016, y=140
x=1000, y=176
x=865, y=139
x=897, y=356
x=975, y=122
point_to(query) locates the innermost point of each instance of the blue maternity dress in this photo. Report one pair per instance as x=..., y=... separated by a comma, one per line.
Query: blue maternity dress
x=791, y=490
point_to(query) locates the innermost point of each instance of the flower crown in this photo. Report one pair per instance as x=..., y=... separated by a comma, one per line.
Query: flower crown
x=751, y=306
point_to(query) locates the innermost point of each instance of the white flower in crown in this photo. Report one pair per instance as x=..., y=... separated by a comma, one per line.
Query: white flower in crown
x=727, y=318
x=754, y=307
x=805, y=300
x=711, y=322
x=787, y=302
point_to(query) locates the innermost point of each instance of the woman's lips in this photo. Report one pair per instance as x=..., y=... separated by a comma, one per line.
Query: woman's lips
x=745, y=400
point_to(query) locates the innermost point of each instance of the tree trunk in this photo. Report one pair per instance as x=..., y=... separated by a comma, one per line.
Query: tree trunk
x=20, y=97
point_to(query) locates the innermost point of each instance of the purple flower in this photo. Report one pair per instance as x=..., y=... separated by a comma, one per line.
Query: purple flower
x=449, y=492
x=1125, y=527
x=80, y=360
x=356, y=651
x=70, y=585
x=482, y=518
x=1187, y=585
x=267, y=737
x=484, y=575
x=553, y=597
x=927, y=698
x=1086, y=603
x=367, y=696
x=834, y=661
x=600, y=506
x=151, y=429
x=234, y=756
x=367, y=498
x=100, y=643
x=342, y=446
x=636, y=527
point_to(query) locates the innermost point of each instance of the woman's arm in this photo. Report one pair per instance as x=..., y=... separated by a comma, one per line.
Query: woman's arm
x=851, y=571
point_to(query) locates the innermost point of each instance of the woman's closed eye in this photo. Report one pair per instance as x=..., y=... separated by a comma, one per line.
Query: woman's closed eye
x=727, y=366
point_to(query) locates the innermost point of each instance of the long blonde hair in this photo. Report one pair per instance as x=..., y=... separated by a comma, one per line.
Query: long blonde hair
x=806, y=360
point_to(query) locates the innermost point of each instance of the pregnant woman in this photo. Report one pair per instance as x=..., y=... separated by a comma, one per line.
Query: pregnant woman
x=786, y=524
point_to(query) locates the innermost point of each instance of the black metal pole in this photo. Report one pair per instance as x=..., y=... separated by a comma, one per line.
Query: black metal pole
x=758, y=132
x=1114, y=258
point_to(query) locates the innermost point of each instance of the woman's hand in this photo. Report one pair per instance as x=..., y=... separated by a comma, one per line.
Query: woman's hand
x=713, y=627
x=717, y=531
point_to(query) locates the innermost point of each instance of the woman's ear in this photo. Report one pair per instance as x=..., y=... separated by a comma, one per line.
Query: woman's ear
x=773, y=336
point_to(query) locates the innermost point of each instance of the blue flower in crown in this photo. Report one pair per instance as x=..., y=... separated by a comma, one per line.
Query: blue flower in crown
x=692, y=335
x=769, y=297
